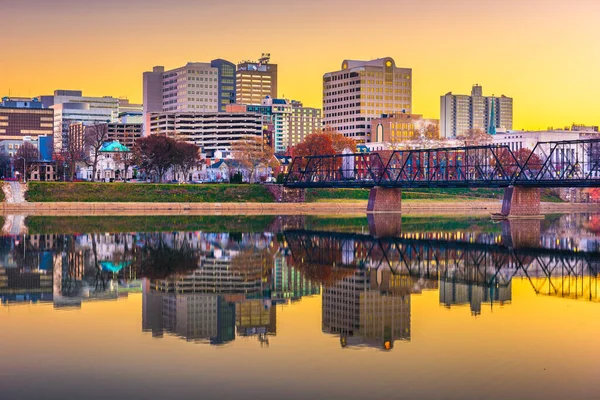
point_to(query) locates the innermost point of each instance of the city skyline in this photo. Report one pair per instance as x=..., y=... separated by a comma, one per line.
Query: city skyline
x=451, y=47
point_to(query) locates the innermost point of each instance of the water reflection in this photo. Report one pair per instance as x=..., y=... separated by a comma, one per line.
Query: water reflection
x=214, y=287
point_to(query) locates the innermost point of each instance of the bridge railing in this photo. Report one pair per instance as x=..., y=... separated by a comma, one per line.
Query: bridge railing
x=464, y=166
x=575, y=161
x=363, y=169
x=567, y=163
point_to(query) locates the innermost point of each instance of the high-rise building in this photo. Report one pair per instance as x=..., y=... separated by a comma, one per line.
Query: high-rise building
x=70, y=106
x=461, y=113
x=303, y=122
x=362, y=91
x=195, y=87
x=256, y=80
x=226, y=82
x=275, y=112
x=21, y=117
x=287, y=122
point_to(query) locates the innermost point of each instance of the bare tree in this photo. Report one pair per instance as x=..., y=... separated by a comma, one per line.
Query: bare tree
x=186, y=156
x=126, y=158
x=95, y=136
x=155, y=154
x=475, y=137
x=28, y=153
x=252, y=153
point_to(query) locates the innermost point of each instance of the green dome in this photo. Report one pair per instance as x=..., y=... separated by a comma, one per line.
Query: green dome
x=111, y=147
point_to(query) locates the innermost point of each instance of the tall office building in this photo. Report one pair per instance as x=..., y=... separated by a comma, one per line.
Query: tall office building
x=461, y=113
x=288, y=121
x=195, y=87
x=70, y=106
x=303, y=122
x=275, y=113
x=21, y=117
x=256, y=80
x=226, y=82
x=362, y=91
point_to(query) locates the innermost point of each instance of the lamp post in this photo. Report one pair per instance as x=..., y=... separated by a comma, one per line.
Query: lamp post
x=24, y=169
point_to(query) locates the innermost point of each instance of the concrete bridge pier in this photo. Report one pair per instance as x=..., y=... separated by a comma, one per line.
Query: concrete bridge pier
x=382, y=199
x=520, y=202
x=520, y=233
x=385, y=225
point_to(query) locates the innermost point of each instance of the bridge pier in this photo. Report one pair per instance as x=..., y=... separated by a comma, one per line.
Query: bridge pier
x=521, y=202
x=521, y=233
x=385, y=225
x=382, y=199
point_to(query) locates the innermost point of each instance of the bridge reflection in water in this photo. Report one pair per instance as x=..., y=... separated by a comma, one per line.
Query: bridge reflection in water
x=367, y=292
x=216, y=287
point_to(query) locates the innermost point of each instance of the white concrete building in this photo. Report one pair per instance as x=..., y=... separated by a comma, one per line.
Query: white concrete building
x=362, y=91
x=517, y=140
x=460, y=113
x=111, y=165
x=70, y=106
x=194, y=87
x=211, y=132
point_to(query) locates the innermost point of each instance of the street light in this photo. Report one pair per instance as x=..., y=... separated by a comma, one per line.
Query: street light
x=24, y=169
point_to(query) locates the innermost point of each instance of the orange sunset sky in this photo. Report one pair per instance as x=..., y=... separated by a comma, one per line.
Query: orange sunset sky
x=543, y=53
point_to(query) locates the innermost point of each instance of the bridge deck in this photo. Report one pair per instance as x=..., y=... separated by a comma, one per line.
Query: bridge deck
x=549, y=164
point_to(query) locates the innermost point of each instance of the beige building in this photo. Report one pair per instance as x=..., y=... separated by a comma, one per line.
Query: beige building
x=402, y=127
x=460, y=113
x=256, y=80
x=362, y=91
x=303, y=122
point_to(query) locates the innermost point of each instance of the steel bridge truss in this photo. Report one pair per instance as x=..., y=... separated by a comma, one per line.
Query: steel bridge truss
x=549, y=164
x=551, y=272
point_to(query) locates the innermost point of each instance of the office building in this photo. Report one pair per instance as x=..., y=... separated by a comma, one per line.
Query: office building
x=285, y=122
x=194, y=87
x=398, y=128
x=303, y=122
x=66, y=114
x=461, y=113
x=256, y=80
x=24, y=117
x=226, y=83
x=21, y=102
x=362, y=91
x=212, y=132
x=277, y=113
x=70, y=106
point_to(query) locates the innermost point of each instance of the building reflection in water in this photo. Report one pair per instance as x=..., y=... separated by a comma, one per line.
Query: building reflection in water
x=214, y=287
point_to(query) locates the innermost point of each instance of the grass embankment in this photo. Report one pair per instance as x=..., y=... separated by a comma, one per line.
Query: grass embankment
x=230, y=193
x=316, y=195
x=151, y=193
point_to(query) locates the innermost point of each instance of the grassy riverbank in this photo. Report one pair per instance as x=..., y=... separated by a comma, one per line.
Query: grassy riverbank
x=230, y=193
x=151, y=193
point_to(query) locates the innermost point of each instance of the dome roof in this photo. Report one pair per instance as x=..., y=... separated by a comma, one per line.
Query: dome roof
x=110, y=147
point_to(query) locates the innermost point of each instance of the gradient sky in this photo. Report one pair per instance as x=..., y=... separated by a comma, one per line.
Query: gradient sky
x=543, y=53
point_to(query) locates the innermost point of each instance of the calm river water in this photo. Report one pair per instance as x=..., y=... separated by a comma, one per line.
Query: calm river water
x=341, y=307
